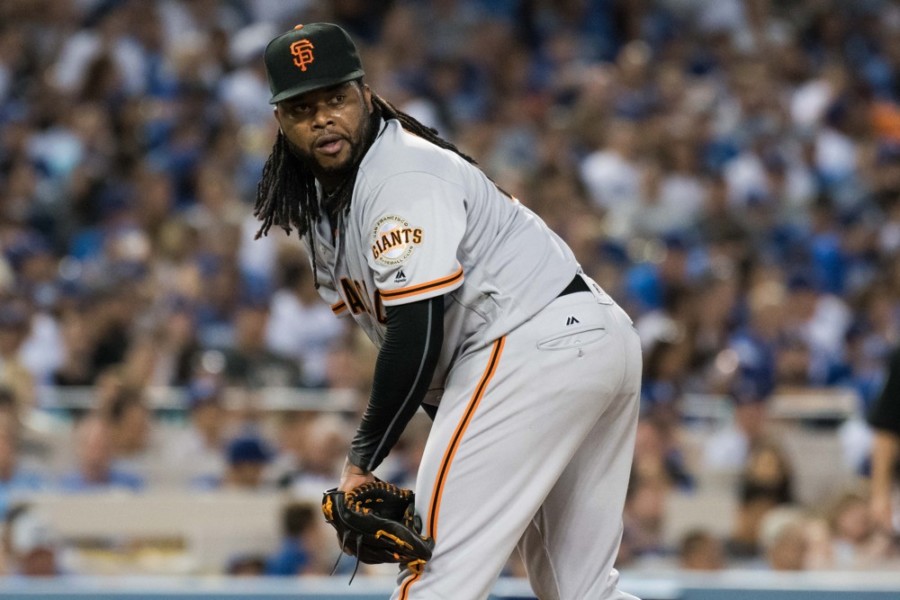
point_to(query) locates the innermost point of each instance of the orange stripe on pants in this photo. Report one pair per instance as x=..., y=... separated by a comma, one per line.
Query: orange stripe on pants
x=455, y=440
x=404, y=589
x=444, y=470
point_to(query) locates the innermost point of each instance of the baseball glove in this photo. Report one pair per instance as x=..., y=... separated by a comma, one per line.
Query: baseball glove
x=376, y=522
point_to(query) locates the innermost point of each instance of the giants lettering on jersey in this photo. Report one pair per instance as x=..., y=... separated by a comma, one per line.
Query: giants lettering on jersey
x=393, y=240
x=357, y=298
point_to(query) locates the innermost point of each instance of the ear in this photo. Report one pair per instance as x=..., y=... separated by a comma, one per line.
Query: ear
x=277, y=116
x=367, y=95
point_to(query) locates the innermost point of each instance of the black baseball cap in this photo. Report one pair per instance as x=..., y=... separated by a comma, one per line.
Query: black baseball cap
x=310, y=57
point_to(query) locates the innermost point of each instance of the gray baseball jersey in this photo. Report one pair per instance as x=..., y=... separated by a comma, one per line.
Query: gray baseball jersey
x=423, y=222
x=531, y=444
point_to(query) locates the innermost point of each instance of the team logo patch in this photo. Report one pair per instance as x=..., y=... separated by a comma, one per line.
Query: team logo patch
x=302, y=51
x=393, y=240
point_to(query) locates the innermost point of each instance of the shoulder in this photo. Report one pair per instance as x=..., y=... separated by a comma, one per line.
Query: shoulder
x=397, y=155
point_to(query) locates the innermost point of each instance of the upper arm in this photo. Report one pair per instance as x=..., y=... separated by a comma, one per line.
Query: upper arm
x=413, y=231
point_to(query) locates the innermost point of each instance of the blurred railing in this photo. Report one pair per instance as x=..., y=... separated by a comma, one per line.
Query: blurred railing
x=801, y=403
x=164, y=398
x=744, y=585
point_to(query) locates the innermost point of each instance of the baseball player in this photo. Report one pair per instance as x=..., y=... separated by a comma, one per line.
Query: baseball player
x=481, y=315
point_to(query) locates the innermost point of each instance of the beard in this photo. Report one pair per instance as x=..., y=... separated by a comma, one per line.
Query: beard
x=339, y=172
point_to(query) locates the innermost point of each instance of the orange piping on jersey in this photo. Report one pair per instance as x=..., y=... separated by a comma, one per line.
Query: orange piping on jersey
x=404, y=589
x=458, y=434
x=338, y=307
x=423, y=287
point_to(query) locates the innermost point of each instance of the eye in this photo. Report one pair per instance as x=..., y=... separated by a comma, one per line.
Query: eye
x=338, y=99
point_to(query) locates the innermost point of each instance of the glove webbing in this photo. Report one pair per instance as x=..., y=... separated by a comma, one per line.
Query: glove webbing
x=416, y=566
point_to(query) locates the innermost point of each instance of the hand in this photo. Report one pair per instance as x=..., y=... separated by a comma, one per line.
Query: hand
x=353, y=476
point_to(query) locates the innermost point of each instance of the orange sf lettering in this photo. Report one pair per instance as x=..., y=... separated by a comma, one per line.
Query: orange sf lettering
x=302, y=51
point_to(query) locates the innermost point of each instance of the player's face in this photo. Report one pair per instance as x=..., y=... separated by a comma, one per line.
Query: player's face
x=327, y=127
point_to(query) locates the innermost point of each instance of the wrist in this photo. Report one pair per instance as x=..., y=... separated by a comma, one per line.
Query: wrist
x=352, y=469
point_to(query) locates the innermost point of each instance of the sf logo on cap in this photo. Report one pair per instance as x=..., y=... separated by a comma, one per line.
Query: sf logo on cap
x=302, y=53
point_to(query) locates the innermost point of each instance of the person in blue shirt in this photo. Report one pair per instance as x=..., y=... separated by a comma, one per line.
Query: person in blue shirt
x=246, y=456
x=293, y=556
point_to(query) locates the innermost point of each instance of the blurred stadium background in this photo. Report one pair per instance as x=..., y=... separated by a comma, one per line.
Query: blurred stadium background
x=174, y=398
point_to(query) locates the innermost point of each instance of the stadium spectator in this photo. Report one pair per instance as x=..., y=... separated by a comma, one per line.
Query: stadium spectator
x=348, y=365
x=95, y=456
x=14, y=328
x=292, y=429
x=197, y=453
x=76, y=367
x=613, y=178
x=246, y=457
x=783, y=539
x=820, y=547
x=300, y=325
x=16, y=480
x=765, y=484
x=246, y=565
x=750, y=361
x=324, y=447
x=166, y=353
x=32, y=547
x=111, y=312
x=136, y=446
x=248, y=362
x=644, y=518
x=657, y=454
x=298, y=541
x=857, y=543
x=885, y=420
x=700, y=550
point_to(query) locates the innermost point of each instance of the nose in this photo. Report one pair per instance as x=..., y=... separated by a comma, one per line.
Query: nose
x=322, y=118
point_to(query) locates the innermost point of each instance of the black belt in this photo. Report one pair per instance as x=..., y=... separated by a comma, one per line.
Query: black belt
x=576, y=285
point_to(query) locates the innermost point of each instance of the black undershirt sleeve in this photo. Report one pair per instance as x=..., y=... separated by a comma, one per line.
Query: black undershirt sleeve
x=403, y=370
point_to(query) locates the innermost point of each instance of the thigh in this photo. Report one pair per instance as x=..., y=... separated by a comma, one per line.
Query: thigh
x=512, y=418
x=570, y=546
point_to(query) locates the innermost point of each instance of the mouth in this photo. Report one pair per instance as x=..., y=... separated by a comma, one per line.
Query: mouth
x=330, y=144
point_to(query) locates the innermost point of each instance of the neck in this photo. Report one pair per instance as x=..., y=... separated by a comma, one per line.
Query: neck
x=330, y=180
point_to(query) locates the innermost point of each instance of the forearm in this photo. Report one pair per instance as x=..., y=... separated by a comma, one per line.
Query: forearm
x=403, y=370
x=885, y=450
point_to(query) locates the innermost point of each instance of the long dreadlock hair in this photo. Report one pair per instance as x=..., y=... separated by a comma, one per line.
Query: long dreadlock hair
x=286, y=194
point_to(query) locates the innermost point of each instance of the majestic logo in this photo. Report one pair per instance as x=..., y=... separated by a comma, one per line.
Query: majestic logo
x=302, y=51
x=393, y=240
x=400, y=277
x=572, y=321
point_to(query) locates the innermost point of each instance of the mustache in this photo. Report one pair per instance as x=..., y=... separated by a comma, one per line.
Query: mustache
x=327, y=138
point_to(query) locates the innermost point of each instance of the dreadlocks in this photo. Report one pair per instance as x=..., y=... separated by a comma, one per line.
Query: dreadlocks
x=389, y=111
x=286, y=194
x=285, y=176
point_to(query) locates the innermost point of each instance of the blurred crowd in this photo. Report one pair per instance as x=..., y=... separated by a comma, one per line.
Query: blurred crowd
x=729, y=170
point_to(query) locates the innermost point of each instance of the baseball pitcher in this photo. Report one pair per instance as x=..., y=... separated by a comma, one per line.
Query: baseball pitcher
x=481, y=315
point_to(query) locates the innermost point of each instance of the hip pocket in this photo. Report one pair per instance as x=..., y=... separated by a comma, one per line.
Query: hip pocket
x=573, y=339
